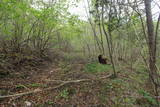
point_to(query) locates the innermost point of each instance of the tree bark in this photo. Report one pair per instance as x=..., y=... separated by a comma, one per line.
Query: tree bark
x=152, y=46
x=151, y=37
x=109, y=43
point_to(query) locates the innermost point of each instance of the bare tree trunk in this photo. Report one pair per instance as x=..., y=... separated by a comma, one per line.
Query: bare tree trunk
x=109, y=44
x=102, y=45
x=59, y=39
x=93, y=27
x=100, y=30
x=151, y=44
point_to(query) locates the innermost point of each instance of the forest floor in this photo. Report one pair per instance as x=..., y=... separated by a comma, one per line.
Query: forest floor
x=97, y=89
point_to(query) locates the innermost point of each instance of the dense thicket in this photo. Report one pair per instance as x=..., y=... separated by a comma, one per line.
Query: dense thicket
x=28, y=30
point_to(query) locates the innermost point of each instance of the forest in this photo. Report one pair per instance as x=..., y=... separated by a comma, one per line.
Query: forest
x=51, y=56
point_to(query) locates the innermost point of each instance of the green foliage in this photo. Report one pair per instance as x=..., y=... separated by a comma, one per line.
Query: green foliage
x=50, y=103
x=96, y=67
x=147, y=96
x=28, y=31
x=115, y=84
x=20, y=86
x=36, y=85
x=64, y=94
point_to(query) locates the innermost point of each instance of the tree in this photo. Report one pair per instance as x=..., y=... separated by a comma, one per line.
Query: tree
x=151, y=45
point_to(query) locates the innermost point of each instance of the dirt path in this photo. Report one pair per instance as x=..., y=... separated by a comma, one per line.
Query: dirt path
x=31, y=80
x=100, y=93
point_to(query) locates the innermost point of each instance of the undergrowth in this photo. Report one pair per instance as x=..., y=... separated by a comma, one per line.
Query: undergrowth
x=96, y=67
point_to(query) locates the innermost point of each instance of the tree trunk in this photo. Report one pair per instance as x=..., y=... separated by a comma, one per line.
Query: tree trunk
x=152, y=46
x=109, y=43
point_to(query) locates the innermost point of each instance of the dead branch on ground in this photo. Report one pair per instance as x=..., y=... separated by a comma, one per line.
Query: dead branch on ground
x=51, y=88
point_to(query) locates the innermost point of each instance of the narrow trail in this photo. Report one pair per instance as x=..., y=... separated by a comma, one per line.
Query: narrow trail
x=85, y=94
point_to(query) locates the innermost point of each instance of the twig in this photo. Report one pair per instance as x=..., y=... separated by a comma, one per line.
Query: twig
x=51, y=88
x=39, y=90
x=72, y=81
x=75, y=81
